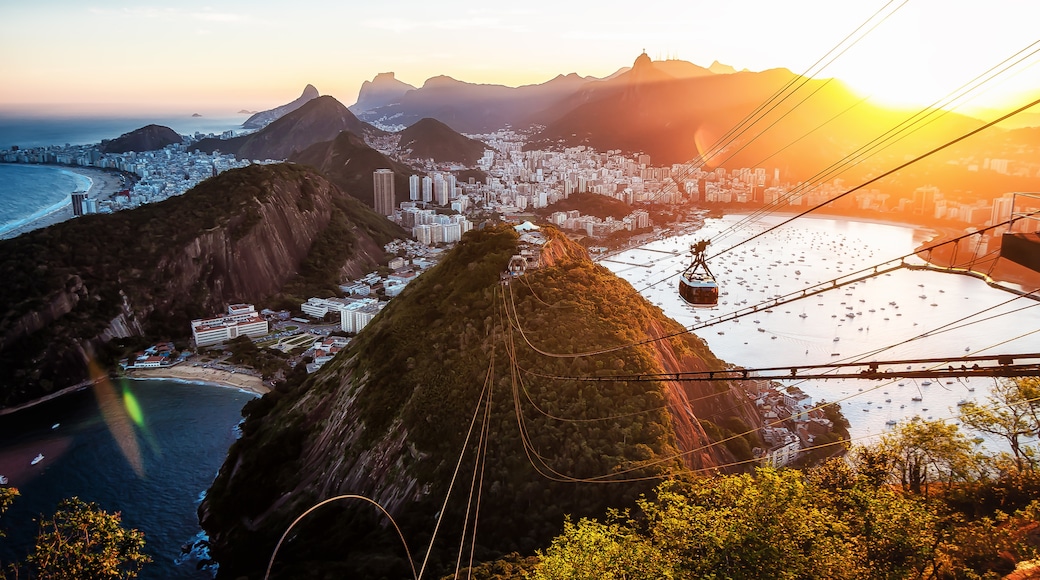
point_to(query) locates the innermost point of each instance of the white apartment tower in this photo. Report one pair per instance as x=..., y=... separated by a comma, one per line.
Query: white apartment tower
x=413, y=188
x=427, y=189
x=383, y=179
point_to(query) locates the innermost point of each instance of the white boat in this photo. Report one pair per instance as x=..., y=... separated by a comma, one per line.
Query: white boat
x=3, y=480
x=37, y=459
x=891, y=422
x=55, y=426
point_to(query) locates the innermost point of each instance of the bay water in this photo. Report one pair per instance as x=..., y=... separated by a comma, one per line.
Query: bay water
x=906, y=314
x=152, y=463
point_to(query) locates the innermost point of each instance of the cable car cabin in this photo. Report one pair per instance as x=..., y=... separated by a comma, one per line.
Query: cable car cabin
x=1021, y=243
x=697, y=286
x=699, y=289
x=1022, y=248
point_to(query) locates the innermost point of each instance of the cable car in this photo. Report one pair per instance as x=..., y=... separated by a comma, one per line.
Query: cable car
x=697, y=285
x=1021, y=243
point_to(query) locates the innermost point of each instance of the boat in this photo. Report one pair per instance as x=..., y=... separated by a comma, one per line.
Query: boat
x=915, y=398
x=3, y=480
x=55, y=426
x=925, y=383
x=891, y=422
x=37, y=459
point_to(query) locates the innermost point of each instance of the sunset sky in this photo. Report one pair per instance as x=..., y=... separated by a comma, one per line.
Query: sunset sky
x=219, y=57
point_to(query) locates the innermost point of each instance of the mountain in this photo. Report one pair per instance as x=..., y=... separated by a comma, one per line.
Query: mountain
x=721, y=69
x=383, y=90
x=431, y=139
x=473, y=108
x=318, y=120
x=264, y=118
x=349, y=163
x=388, y=418
x=147, y=138
x=242, y=236
x=679, y=120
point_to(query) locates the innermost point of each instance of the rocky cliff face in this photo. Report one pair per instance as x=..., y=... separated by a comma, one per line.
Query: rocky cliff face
x=238, y=237
x=388, y=418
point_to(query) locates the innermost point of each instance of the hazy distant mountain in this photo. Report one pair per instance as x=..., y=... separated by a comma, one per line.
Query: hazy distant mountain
x=380, y=91
x=721, y=69
x=264, y=118
x=646, y=109
x=318, y=120
x=349, y=163
x=147, y=138
x=431, y=139
x=474, y=108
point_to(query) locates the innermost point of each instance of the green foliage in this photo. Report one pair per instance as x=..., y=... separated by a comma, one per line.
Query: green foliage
x=1012, y=414
x=925, y=453
x=83, y=541
x=610, y=551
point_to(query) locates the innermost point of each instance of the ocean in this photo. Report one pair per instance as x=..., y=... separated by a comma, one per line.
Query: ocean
x=26, y=132
x=902, y=315
x=29, y=192
x=152, y=465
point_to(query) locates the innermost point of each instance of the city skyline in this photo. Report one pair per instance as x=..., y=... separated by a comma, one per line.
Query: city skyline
x=120, y=57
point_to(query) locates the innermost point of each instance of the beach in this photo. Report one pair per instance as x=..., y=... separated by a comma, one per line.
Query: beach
x=103, y=185
x=185, y=372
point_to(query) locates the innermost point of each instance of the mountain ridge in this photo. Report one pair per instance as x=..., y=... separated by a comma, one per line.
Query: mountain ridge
x=148, y=138
x=265, y=118
x=429, y=138
x=318, y=120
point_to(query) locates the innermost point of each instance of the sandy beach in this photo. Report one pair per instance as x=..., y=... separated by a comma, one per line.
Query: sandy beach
x=186, y=372
x=104, y=184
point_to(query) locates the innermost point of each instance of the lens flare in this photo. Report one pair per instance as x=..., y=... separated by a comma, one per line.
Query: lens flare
x=115, y=416
x=133, y=408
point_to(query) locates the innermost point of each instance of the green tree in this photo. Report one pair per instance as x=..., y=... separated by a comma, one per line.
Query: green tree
x=594, y=550
x=922, y=453
x=84, y=541
x=1013, y=415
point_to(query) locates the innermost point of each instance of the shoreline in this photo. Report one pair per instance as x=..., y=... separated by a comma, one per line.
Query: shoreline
x=200, y=375
x=193, y=375
x=103, y=185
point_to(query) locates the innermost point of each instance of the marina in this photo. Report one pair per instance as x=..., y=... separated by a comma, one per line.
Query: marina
x=878, y=318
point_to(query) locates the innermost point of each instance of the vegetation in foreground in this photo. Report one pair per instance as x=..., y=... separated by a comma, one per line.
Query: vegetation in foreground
x=921, y=503
x=80, y=541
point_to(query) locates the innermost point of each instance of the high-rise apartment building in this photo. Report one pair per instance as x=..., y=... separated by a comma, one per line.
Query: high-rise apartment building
x=414, y=193
x=383, y=179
